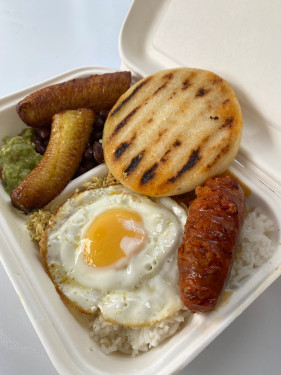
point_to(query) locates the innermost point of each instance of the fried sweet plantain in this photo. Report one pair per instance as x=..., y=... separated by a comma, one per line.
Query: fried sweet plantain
x=99, y=91
x=69, y=134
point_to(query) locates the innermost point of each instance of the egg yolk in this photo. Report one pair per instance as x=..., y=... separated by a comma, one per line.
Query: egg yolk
x=113, y=235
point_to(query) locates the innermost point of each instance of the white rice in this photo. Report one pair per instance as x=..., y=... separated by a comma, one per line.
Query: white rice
x=255, y=248
x=113, y=337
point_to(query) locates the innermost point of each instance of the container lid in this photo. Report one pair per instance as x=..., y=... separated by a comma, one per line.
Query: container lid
x=238, y=40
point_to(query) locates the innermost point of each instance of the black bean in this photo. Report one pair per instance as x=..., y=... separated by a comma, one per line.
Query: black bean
x=103, y=114
x=43, y=133
x=91, y=138
x=98, y=152
x=99, y=123
x=40, y=149
x=89, y=164
x=88, y=153
x=37, y=141
x=39, y=146
x=81, y=170
x=45, y=142
x=93, y=154
x=97, y=135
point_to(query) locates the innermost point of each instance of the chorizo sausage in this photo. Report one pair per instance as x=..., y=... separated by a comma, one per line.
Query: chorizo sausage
x=211, y=237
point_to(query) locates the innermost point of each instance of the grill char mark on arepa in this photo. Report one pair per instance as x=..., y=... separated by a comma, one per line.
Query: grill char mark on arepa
x=177, y=143
x=133, y=164
x=165, y=158
x=166, y=78
x=224, y=150
x=185, y=85
x=228, y=122
x=172, y=95
x=161, y=133
x=182, y=127
x=123, y=147
x=117, y=109
x=225, y=101
x=217, y=81
x=160, y=88
x=149, y=174
x=202, y=92
x=123, y=122
x=192, y=160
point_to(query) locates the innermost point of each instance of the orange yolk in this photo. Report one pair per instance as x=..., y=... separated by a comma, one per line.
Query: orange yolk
x=113, y=235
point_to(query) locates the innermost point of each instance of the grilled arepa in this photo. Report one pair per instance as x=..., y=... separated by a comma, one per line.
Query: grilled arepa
x=171, y=131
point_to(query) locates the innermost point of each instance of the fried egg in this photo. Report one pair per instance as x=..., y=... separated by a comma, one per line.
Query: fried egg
x=113, y=250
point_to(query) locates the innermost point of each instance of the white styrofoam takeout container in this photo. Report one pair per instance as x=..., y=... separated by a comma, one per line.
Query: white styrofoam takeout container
x=217, y=36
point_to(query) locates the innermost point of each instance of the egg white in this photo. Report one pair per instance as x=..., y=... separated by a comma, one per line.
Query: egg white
x=141, y=292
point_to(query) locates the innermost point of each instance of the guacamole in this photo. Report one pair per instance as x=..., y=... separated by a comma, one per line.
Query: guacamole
x=17, y=158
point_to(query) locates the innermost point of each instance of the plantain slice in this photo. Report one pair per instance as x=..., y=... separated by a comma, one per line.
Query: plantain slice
x=70, y=131
x=97, y=92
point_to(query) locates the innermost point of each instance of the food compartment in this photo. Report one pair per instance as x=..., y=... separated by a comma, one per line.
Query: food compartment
x=65, y=333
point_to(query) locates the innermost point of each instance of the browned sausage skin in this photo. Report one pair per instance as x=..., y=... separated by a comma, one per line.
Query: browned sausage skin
x=211, y=237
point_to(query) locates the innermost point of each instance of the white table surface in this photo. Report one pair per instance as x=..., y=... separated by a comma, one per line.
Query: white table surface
x=41, y=39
